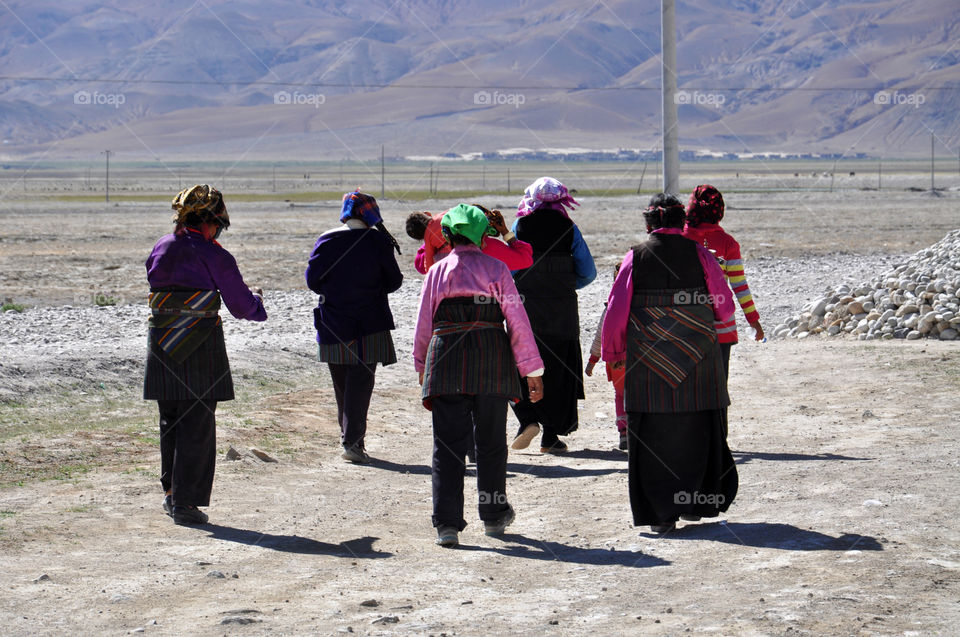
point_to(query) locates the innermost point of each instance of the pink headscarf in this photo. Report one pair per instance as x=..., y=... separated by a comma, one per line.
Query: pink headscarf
x=546, y=190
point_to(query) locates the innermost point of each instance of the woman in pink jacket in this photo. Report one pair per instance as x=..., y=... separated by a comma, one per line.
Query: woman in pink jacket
x=659, y=327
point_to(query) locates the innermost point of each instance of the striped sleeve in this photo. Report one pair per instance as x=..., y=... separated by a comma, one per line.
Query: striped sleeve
x=733, y=269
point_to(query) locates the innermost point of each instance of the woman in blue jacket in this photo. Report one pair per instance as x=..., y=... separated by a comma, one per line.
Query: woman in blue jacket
x=353, y=270
x=562, y=264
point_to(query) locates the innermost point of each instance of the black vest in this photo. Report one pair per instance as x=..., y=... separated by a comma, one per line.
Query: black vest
x=549, y=286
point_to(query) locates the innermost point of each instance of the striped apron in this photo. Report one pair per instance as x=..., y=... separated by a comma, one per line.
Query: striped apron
x=469, y=352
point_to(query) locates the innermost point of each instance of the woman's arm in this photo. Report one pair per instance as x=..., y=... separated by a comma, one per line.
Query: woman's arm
x=614, y=332
x=717, y=288
x=517, y=255
x=583, y=265
x=240, y=301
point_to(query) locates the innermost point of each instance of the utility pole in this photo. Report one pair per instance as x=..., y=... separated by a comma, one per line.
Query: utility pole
x=932, y=189
x=668, y=75
x=880, y=175
x=383, y=182
x=274, y=178
x=107, y=153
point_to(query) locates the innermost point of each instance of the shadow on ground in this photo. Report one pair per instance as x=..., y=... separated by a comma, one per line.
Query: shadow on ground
x=359, y=548
x=768, y=535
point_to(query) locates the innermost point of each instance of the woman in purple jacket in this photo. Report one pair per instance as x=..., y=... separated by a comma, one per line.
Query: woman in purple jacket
x=187, y=368
x=353, y=269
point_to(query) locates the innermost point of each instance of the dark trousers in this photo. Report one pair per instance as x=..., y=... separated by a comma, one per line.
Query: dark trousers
x=458, y=421
x=188, y=449
x=353, y=387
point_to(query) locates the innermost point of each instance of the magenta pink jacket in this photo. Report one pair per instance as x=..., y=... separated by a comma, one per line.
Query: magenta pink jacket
x=614, y=335
x=467, y=271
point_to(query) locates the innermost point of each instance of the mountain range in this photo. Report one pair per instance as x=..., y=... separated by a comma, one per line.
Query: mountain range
x=324, y=79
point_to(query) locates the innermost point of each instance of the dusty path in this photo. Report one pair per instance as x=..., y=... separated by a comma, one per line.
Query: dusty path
x=844, y=523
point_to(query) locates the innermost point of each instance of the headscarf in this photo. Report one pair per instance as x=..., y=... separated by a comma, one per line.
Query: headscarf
x=546, y=190
x=706, y=205
x=357, y=205
x=199, y=204
x=466, y=220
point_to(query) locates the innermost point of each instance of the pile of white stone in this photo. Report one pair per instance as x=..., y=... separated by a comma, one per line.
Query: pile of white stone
x=917, y=299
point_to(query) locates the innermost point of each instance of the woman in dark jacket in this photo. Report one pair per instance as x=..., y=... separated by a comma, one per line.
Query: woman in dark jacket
x=187, y=368
x=562, y=264
x=353, y=269
x=659, y=327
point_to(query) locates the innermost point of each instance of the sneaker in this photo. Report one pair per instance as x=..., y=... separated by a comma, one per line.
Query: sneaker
x=355, y=454
x=687, y=517
x=666, y=527
x=496, y=527
x=558, y=447
x=188, y=515
x=624, y=443
x=168, y=505
x=525, y=437
x=447, y=536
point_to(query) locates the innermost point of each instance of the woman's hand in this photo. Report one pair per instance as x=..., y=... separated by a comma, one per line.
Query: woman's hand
x=496, y=220
x=257, y=291
x=589, y=369
x=421, y=378
x=618, y=364
x=535, y=387
x=759, y=331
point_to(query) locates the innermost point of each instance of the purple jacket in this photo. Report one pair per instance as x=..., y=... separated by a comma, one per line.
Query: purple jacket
x=188, y=260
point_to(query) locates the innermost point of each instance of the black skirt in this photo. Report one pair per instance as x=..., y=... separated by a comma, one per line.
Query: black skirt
x=562, y=387
x=204, y=374
x=679, y=463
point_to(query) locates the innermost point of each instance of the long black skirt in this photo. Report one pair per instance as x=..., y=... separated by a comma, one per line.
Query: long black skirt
x=679, y=464
x=562, y=387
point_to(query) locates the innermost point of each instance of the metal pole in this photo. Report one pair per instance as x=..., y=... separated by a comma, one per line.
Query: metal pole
x=668, y=74
x=880, y=175
x=932, y=189
x=383, y=183
x=107, y=153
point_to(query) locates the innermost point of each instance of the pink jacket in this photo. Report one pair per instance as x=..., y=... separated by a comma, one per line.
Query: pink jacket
x=466, y=271
x=614, y=335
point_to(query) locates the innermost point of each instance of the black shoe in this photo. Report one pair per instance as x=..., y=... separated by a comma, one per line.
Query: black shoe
x=559, y=447
x=664, y=527
x=498, y=526
x=168, y=505
x=188, y=515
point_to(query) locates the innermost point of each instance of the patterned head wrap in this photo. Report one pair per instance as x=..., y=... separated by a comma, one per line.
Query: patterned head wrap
x=546, y=190
x=357, y=205
x=466, y=220
x=706, y=205
x=200, y=204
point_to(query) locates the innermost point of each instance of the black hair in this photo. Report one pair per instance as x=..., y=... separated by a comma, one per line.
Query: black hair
x=457, y=239
x=664, y=211
x=417, y=223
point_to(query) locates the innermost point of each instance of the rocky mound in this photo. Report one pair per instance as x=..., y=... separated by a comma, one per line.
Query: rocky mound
x=917, y=299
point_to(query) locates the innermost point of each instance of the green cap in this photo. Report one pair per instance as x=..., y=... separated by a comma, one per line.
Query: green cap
x=466, y=220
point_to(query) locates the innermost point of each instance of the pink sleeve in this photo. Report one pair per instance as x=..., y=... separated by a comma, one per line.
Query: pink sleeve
x=424, y=329
x=518, y=256
x=717, y=287
x=522, y=341
x=419, y=261
x=614, y=332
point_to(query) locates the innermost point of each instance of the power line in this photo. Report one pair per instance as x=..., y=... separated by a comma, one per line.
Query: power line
x=266, y=83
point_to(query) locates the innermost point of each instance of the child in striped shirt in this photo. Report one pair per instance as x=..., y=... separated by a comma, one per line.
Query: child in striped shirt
x=704, y=212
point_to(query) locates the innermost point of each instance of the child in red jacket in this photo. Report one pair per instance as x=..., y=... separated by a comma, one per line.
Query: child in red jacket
x=704, y=212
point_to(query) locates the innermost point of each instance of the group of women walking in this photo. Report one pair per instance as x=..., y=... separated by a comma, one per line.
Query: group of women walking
x=497, y=324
